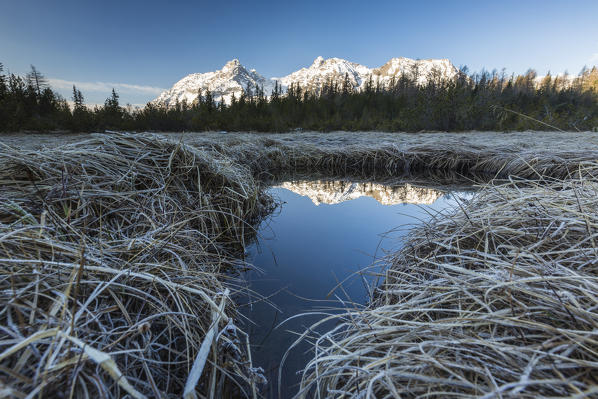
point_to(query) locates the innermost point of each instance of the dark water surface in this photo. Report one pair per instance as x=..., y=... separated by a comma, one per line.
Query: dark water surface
x=323, y=233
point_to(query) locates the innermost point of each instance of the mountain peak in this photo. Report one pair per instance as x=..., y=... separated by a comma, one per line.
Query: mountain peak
x=230, y=81
x=318, y=61
x=420, y=70
x=232, y=64
x=334, y=192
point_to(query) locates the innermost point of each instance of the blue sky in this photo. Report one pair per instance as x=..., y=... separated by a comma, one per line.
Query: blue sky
x=140, y=47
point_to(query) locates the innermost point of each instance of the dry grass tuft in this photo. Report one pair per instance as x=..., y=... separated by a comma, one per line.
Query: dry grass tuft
x=378, y=155
x=496, y=299
x=114, y=255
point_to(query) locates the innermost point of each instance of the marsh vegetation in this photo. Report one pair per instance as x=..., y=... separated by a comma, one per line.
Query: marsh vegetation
x=121, y=253
x=493, y=299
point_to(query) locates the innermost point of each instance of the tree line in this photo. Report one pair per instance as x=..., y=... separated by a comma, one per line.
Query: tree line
x=478, y=101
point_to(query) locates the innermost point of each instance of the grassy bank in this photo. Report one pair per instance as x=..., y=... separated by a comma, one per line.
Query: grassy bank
x=116, y=253
x=494, y=299
x=381, y=155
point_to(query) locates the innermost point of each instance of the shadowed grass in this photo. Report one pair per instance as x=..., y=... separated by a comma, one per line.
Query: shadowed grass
x=376, y=155
x=381, y=155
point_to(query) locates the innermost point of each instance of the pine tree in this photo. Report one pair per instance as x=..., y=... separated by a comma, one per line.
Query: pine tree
x=77, y=99
x=36, y=80
x=112, y=112
x=199, y=100
x=112, y=101
x=81, y=116
x=347, y=86
x=209, y=101
x=3, y=87
x=248, y=92
x=275, y=94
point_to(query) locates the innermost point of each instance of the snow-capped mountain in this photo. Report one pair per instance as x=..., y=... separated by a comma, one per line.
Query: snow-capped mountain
x=334, y=192
x=336, y=70
x=419, y=70
x=322, y=71
x=233, y=78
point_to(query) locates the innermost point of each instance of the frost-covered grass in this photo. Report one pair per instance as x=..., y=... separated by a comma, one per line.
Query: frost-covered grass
x=495, y=299
x=114, y=252
x=379, y=155
x=114, y=255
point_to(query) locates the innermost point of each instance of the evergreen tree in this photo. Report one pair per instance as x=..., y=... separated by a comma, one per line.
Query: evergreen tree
x=36, y=80
x=199, y=100
x=81, y=119
x=77, y=99
x=277, y=92
x=112, y=114
x=112, y=101
x=347, y=87
x=3, y=87
x=209, y=101
x=248, y=92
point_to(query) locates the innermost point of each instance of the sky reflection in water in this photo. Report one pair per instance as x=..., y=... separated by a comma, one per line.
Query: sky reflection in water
x=308, y=246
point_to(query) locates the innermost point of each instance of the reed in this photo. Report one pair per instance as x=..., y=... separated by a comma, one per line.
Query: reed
x=116, y=256
x=494, y=299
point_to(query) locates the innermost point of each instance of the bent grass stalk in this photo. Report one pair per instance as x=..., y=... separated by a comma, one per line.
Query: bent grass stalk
x=113, y=252
x=494, y=299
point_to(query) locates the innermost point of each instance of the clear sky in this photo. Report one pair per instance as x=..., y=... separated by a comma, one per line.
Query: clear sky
x=139, y=47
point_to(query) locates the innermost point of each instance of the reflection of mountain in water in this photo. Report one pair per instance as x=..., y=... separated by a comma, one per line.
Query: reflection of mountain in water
x=334, y=192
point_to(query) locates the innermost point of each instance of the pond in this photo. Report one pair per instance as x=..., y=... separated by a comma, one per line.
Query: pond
x=309, y=254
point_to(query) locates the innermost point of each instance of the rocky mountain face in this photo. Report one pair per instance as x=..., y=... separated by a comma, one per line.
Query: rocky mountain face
x=419, y=70
x=233, y=78
x=334, y=192
x=323, y=71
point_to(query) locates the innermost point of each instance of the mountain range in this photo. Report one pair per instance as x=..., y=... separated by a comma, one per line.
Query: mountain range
x=234, y=78
x=334, y=192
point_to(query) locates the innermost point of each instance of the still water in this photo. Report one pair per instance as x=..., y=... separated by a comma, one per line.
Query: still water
x=323, y=233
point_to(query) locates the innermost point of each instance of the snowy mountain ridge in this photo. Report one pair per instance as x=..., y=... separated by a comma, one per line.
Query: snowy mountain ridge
x=335, y=192
x=234, y=78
